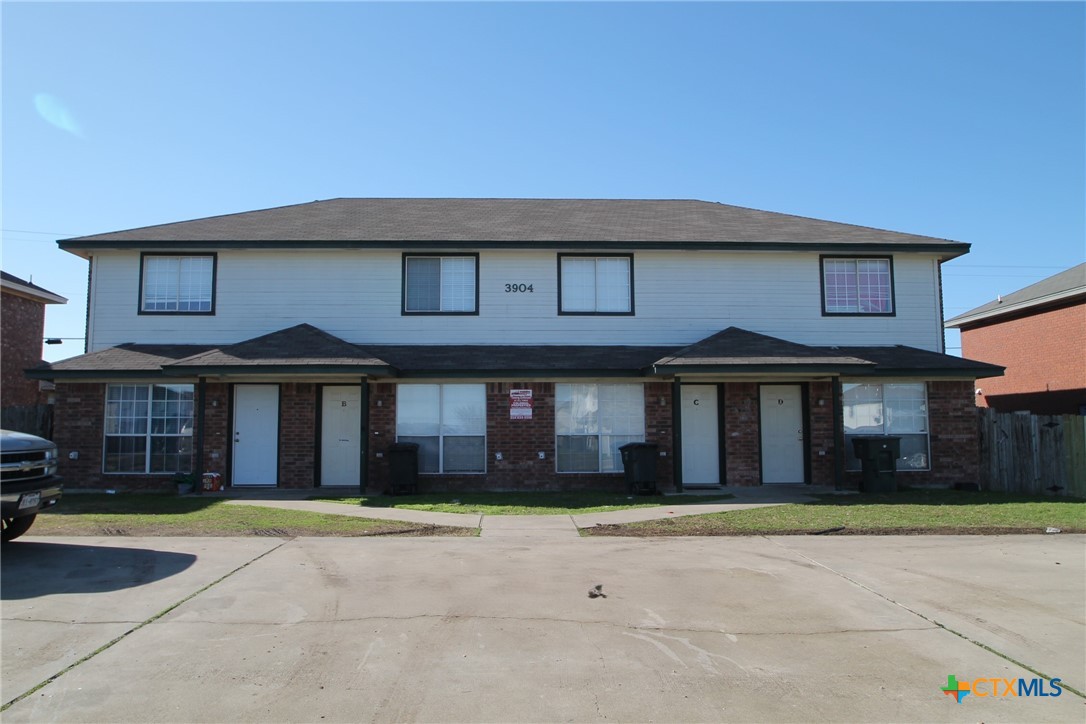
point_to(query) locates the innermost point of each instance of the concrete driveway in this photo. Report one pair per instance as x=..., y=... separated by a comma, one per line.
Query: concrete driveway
x=503, y=629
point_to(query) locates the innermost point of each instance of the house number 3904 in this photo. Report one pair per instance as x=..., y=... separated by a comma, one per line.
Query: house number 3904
x=518, y=288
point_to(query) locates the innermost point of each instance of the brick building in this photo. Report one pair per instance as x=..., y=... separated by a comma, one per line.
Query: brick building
x=518, y=342
x=1039, y=335
x=22, y=316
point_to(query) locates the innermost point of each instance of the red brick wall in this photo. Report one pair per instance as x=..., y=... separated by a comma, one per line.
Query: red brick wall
x=1042, y=352
x=820, y=425
x=519, y=442
x=20, y=348
x=742, y=440
x=297, y=435
x=217, y=438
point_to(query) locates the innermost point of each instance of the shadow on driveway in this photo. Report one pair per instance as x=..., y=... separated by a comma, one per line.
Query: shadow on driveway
x=31, y=569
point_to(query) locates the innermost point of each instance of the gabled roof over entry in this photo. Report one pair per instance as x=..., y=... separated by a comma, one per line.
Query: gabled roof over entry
x=298, y=347
x=737, y=350
x=306, y=350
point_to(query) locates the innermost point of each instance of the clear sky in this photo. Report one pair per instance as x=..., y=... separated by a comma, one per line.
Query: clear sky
x=964, y=121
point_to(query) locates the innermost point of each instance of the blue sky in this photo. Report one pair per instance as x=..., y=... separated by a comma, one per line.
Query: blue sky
x=956, y=120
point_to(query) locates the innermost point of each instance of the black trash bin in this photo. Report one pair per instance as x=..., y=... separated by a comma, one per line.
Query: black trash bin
x=878, y=461
x=639, y=464
x=403, y=466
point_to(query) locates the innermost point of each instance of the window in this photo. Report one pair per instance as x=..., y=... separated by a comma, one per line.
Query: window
x=449, y=424
x=857, y=286
x=440, y=284
x=593, y=421
x=177, y=284
x=898, y=409
x=595, y=284
x=148, y=429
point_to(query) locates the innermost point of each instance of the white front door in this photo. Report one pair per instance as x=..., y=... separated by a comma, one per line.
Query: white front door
x=782, y=434
x=341, y=435
x=256, y=435
x=700, y=433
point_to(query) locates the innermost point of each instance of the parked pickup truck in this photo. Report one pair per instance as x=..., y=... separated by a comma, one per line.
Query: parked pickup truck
x=28, y=480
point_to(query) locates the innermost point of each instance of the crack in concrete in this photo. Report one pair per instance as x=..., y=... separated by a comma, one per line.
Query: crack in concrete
x=937, y=624
x=136, y=628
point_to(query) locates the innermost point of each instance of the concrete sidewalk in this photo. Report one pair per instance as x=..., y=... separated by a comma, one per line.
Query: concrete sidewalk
x=550, y=526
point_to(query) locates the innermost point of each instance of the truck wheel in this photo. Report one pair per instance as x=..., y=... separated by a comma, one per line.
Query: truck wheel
x=15, y=527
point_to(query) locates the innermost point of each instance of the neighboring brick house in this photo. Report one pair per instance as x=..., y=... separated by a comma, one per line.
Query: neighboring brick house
x=1039, y=335
x=22, y=316
x=518, y=342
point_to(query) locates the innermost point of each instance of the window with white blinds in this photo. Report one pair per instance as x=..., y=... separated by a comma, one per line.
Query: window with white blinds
x=440, y=284
x=178, y=284
x=596, y=284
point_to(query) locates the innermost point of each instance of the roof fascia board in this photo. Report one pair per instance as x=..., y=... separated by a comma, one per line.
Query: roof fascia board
x=525, y=373
x=227, y=370
x=780, y=369
x=947, y=250
x=968, y=318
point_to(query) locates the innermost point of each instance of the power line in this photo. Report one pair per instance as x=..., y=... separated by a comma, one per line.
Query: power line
x=48, y=233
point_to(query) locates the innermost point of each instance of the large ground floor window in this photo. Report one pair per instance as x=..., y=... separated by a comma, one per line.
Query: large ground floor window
x=593, y=421
x=899, y=409
x=148, y=429
x=448, y=422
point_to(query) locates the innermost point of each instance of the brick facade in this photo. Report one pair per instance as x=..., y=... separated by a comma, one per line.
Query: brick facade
x=79, y=428
x=20, y=348
x=1043, y=356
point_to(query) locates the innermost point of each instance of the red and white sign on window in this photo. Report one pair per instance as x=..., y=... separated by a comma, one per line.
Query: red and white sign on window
x=520, y=404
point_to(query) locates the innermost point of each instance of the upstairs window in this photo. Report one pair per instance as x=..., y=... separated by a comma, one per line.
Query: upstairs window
x=857, y=286
x=177, y=284
x=440, y=284
x=595, y=284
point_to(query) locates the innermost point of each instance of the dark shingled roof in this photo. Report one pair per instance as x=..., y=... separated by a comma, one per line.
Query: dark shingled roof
x=511, y=221
x=123, y=358
x=901, y=359
x=1062, y=287
x=305, y=349
x=501, y=358
x=302, y=346
x=734, y=346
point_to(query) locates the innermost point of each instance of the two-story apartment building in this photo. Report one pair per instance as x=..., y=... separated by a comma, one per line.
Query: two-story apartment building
x=518, y=342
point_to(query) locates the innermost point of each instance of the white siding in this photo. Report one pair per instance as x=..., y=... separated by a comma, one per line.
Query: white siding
x=680, y=297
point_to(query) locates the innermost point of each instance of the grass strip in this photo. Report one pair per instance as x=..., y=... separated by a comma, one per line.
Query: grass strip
x=946, y=512
x=135, y=514
x=134, y=629
x=525, y=503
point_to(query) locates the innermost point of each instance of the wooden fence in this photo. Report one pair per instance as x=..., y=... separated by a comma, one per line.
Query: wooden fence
x=33, y=419
x=1023, y=453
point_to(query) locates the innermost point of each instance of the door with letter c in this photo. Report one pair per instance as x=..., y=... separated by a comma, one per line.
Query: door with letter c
x=700, y=435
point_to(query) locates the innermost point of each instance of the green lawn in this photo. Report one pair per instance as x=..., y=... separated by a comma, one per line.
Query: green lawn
x=524, y=503
x=905, y=512
x=129, y=514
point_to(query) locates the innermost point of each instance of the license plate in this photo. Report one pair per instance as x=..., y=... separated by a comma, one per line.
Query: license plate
x=29, y=500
